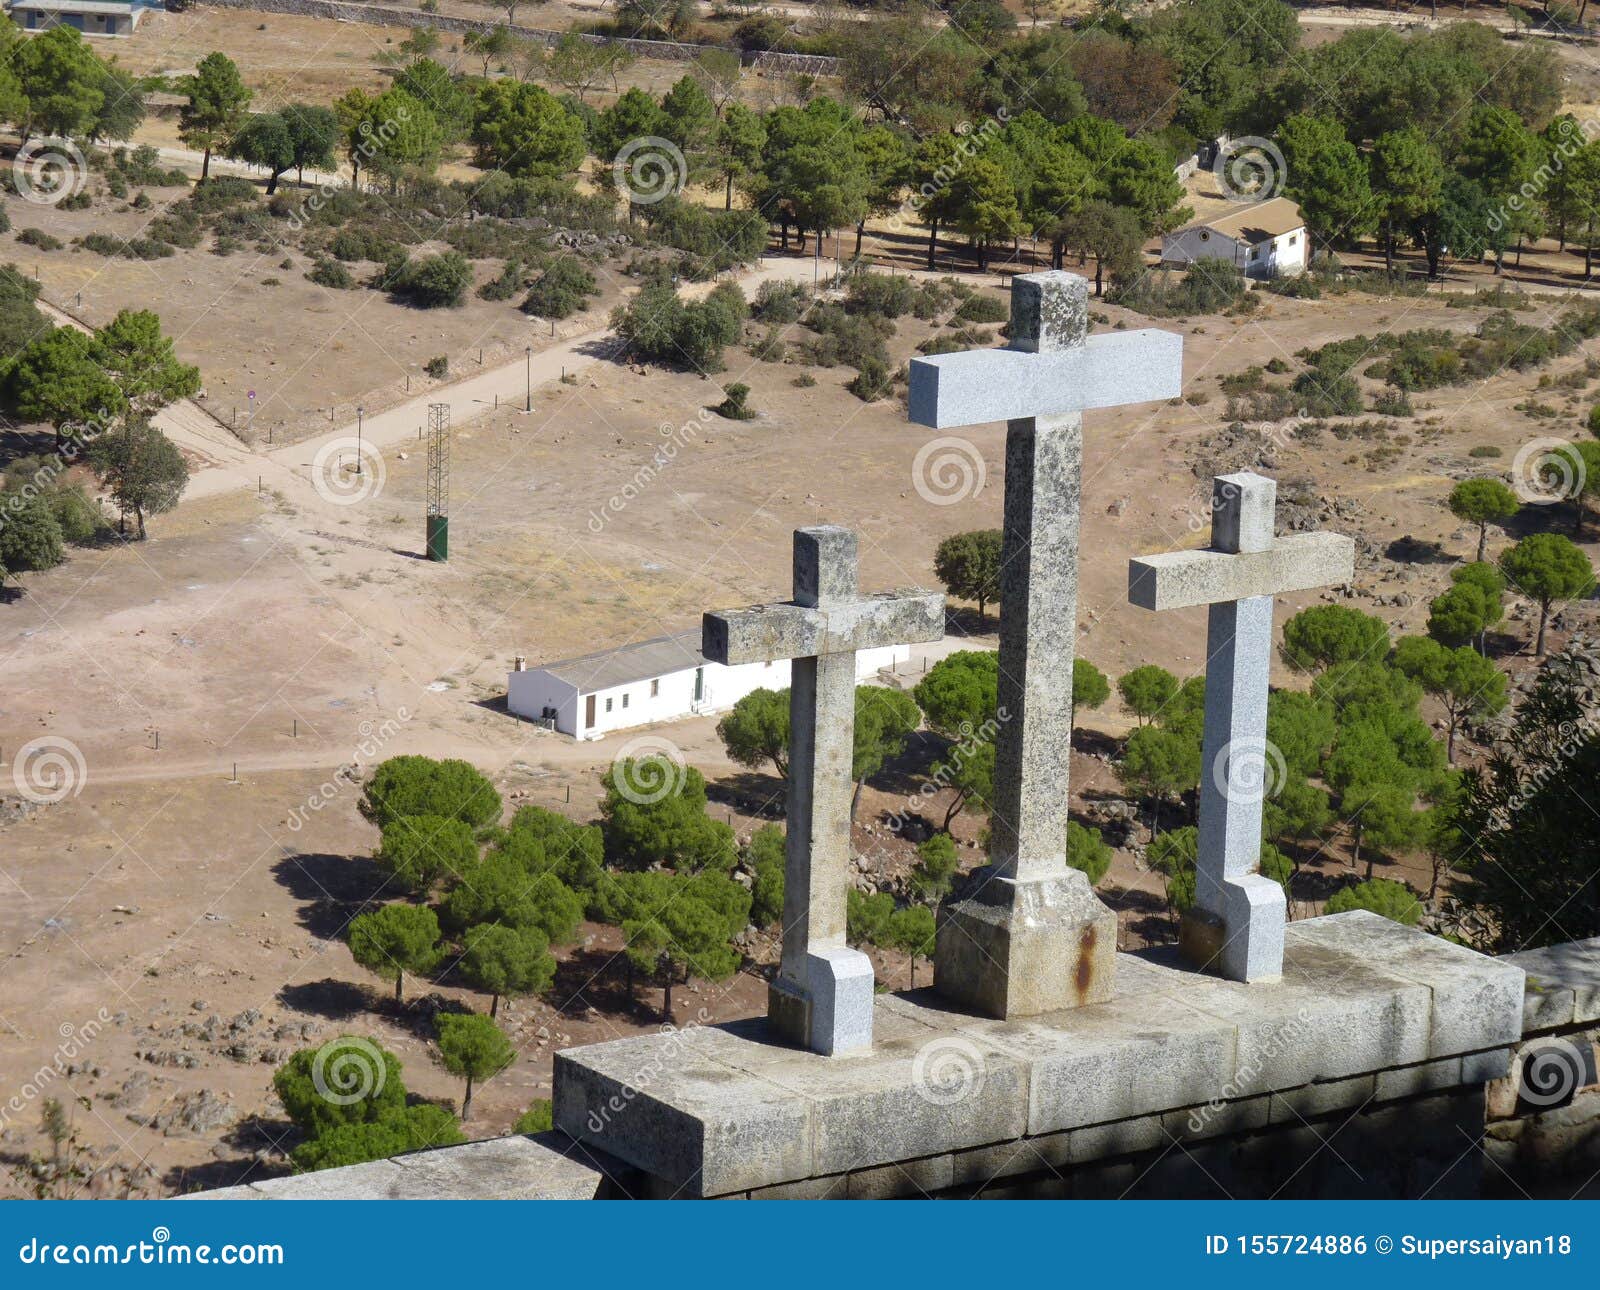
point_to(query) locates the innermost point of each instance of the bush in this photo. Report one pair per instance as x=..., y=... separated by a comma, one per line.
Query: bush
x=983, y=308
x=433, y=282
x=330, y=273
x=38, y=238
x=438, y=368
x=883, y=295
x=657, y=325
x=780, y=302
x=872, y=382
x=540, y=1115
x=218, y=194
x=350, y=244
x=733, y=407
x=1383, y=896
x=506, y=285
x=770, y=348
x=561, y=290
x=1486, y=450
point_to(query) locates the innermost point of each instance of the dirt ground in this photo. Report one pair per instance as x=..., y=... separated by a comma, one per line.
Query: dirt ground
x=288, y=637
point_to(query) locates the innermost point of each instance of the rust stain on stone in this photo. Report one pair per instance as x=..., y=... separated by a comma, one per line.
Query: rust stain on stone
x=1085, y=972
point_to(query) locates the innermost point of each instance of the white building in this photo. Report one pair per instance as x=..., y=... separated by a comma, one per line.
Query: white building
x=1265, y=240
x=91, y=17
x=655, y=680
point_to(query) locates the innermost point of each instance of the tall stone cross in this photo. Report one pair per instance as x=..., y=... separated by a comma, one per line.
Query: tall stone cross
x=1028, y=935
x=822, y=995
x=1236, y=927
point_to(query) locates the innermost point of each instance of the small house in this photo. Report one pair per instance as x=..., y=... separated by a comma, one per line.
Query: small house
x=662, y=679
x=1264, y=240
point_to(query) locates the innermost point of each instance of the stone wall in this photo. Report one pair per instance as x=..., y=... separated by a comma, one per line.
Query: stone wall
x=671, y=51
x=1310, y=1110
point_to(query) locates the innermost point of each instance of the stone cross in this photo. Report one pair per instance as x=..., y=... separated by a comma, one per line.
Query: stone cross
x=1237, y=924
x=822, y=995
x=1027, y=935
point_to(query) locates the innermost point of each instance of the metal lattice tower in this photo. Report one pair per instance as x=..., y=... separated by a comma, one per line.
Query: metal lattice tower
x=438, y=528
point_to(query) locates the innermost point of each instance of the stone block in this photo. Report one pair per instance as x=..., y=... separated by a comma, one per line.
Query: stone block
x=1408, y=1081
x=1254, y=914
x=242, y=1192
x=1563, y=983
x=682, y=1115
x=1477, y=1000
x=840, y=983
x=912, y=1178
x=1119, y=1138
x=1020, y=948
x=375, y=1180
x=1481, y=1068
x=549, y=1166
x=1293, y=1105
x=983, y=1165
x=1219, y=1119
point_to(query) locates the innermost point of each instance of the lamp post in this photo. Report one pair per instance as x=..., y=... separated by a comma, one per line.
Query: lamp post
x=358, y=438
x=527, y=376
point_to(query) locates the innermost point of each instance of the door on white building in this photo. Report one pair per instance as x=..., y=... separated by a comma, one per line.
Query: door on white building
x=588, y=712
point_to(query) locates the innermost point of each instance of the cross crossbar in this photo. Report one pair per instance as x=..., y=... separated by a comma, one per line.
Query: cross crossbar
x=1297, y=562
x=978, y=386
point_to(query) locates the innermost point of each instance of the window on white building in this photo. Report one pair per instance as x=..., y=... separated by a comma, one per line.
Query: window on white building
x=655, y=689
x=624, y=700
x=608, y=705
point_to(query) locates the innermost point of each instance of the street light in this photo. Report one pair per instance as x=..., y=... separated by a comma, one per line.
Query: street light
x=358, y=438
x=528, y=377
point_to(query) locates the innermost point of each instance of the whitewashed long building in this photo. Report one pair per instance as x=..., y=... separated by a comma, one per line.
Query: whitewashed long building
x=1264, y=240
x=655, y=680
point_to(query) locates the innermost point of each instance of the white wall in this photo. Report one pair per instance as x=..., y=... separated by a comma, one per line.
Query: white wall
x=1283, y=257
x=634, y=704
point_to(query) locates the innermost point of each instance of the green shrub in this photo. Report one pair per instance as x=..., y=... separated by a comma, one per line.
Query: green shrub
x=733, y=407
x=330, y=273
x=506, y=285
x=437, y=367
x=882, y=295
x=872, y=382
x=779, y=303
x=1486, y=450
x=770, y=348
x=37, y=237
x=433, y=282
x=984, y=308
x=561, y=290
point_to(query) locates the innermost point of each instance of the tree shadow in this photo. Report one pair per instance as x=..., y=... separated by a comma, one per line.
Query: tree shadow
x=758, y=793
x=595, y=978
x=332, y=888
x=1095, y=743
x=959, y=620
x=1534, y=517
x=331, y=998
x=1410, y=550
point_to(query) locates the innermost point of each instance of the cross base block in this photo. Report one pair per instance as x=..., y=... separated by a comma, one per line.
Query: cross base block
x=1010, y=948
x=831, y=1010
x=1245, y=942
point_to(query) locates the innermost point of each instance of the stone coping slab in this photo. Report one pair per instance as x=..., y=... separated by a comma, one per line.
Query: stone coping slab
x=1563, y=984
x=711, y=1111
x=548, y=1166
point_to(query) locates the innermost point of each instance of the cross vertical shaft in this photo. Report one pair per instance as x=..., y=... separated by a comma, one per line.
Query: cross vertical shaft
x=822, y=695
x=1038, y=633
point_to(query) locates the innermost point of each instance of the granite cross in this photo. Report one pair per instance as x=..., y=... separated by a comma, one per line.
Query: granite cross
x=1237, y=924
x=822, y=995
x=1028, y=935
